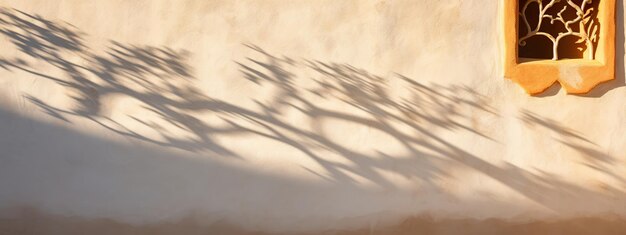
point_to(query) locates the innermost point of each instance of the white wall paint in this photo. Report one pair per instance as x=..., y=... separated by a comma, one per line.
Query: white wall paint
x=411, y=117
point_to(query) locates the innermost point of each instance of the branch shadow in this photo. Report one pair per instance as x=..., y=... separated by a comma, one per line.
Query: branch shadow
x=161, y=81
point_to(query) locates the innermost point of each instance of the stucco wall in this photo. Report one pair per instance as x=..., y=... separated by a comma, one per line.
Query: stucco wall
x=292, y=116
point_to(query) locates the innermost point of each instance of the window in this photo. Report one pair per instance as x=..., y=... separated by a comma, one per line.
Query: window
x=569, y=41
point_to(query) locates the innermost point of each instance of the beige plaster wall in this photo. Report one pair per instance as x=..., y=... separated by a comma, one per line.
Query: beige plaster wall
x=292, y=116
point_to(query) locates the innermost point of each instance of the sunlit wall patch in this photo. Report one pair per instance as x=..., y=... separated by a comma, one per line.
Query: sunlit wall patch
x=569, y=41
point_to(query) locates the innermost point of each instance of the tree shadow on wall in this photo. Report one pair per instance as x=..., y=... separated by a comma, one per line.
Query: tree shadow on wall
x=142, y=73
x=161, y=82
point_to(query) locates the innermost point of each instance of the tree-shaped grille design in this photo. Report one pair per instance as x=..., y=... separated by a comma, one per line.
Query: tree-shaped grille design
x=559, y=21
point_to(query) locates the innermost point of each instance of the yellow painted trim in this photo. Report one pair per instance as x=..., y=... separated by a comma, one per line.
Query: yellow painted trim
x=577, y=76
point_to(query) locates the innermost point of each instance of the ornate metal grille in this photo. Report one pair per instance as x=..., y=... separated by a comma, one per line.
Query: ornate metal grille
x=571, y=28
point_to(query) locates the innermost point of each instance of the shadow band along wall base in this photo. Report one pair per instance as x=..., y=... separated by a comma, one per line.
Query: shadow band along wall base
x=569, y=41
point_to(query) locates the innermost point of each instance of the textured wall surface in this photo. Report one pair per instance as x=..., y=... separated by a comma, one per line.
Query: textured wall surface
x=290, y=116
